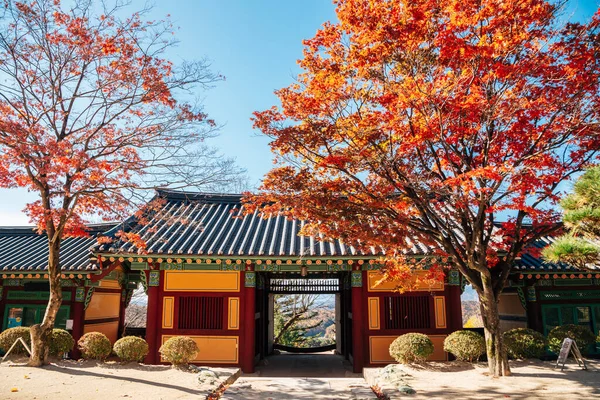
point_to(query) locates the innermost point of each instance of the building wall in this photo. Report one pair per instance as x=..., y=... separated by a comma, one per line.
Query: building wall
x=103, y=312
x=512, y=313
x=443, y=308
x=33, y=303
x=552, y=301
x=233, y=342
x=217, y=345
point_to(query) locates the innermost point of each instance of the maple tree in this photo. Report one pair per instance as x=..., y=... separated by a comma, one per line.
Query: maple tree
x=90, y=117
x=422, y=121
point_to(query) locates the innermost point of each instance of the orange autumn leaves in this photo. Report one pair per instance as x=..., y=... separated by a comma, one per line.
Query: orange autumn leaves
x=425, y=119
x=88, y=112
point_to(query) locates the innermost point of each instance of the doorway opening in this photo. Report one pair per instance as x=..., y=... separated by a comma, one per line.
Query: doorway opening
x=303, y=324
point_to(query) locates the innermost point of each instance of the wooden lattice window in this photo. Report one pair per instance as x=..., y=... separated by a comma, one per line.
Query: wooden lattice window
x=408, y=312
x=200, y=312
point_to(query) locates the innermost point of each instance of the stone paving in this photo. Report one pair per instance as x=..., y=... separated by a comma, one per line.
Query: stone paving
x=256, y=388
x=301, y=376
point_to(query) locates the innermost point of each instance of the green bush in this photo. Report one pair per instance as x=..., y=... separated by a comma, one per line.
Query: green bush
x=411, y=347
x=179, y=350
x=582, y=335
x=131, y=348
x=465, y=345
x=8, y=337
x=94, y=345
x=61, y=342
x=524, y=343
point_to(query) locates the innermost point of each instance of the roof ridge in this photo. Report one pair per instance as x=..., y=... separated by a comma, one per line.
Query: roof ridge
x=182, y=195
x=93, y=229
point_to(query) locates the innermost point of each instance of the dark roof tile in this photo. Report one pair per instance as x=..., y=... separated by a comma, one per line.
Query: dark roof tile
x=23, y=249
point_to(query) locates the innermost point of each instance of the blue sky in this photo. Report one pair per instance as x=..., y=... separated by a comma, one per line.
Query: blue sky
x=255, y=44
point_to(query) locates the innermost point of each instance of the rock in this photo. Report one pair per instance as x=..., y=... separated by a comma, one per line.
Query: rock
x=208, y=377
x=406, y=390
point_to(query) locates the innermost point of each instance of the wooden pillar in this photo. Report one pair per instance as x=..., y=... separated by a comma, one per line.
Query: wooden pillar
x=248, y=326
x=152, y=322
x=359, y=337
x=78, y=317
x=454, y=308
x=122, y=306
x=533, y=309
x=2, y=307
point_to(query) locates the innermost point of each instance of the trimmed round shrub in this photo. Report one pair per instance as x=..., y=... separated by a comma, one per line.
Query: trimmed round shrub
x=131, y=348
x=94, y=345
x=411, y=347
x=582, y=335
x=179, y=350
x=465, y=345
x=8, y=337
x=61, y=342
x=523, y=343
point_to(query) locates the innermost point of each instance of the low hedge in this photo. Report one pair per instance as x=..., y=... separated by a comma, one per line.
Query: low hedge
x=61, y=342
x=94, y=345
x=411, y=347
x=8, y=337
x=465, y=345
x=179, y=350
x=582, y=335
x=131, y=348
x=523, y=343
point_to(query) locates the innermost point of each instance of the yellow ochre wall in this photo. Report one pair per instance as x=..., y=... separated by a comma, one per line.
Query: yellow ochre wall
x=110, y=329
x=168, y=309
x=374, y=318
x=103, y=306
x=379, y=346
x=233, y=313
x=374, y=276
x=214, y=349
x=202, y=281
x=379, y=341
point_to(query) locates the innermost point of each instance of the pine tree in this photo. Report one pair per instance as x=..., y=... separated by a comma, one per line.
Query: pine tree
x=579, y=246
x=294, y=316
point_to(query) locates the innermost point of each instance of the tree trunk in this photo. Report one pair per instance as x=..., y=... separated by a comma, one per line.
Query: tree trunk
x=496, y=354
x=41, y=333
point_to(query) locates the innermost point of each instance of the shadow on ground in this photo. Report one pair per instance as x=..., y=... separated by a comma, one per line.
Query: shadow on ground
x=313, y=365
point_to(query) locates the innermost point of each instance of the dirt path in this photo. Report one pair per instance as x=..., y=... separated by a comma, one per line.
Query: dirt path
x=530, y=380
x=91, y=380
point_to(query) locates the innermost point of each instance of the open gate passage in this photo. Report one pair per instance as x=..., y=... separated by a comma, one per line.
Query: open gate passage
x=270, y=284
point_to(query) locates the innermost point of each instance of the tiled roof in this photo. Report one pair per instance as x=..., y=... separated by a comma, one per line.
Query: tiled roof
x=532, y=260
x=192, y=224
x=22, y=249
x=215, y=225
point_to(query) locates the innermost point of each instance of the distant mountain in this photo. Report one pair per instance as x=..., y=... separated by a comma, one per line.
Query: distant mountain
x=469, y=294
x=471, y=313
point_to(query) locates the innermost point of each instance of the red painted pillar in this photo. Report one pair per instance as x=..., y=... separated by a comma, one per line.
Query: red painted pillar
x=121, y=329
x=454, y=308
x=358, y=327
x=248, y=326
x=78, y=317
x=152, y=320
